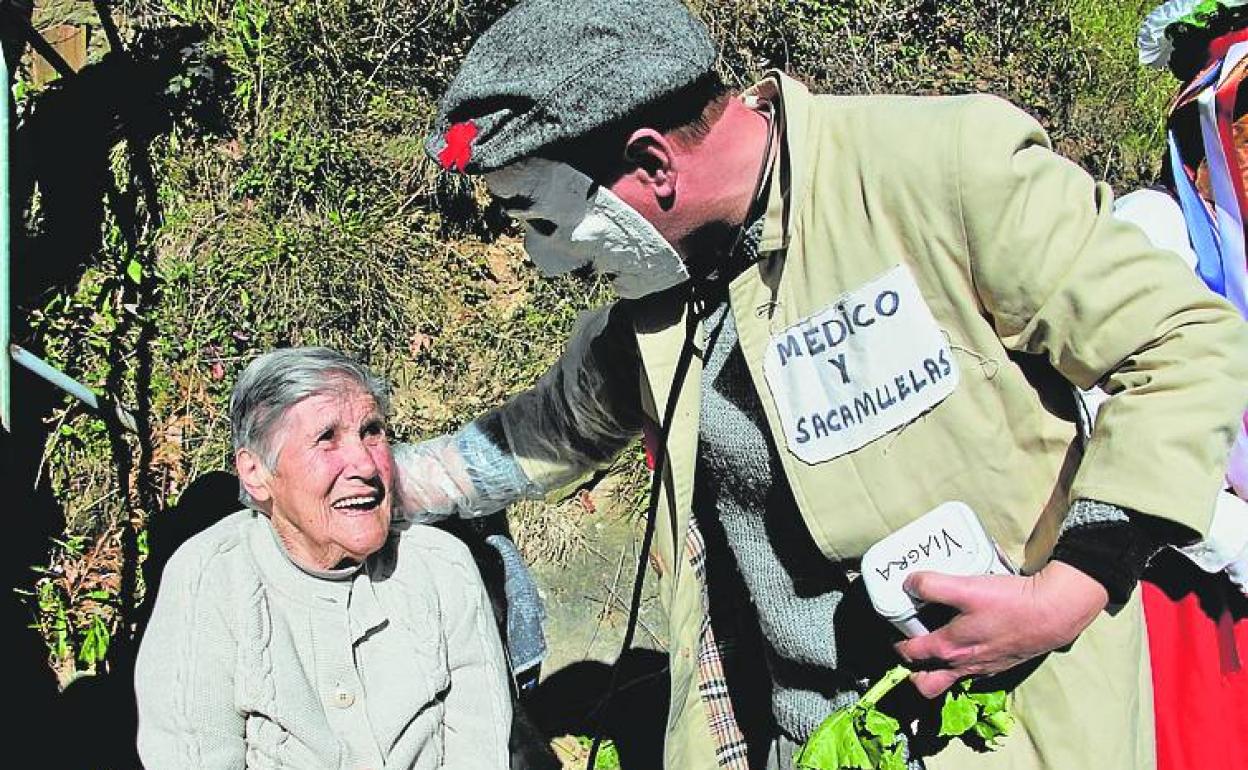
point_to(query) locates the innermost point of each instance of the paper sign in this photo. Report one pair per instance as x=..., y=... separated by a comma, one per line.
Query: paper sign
x=868, y=363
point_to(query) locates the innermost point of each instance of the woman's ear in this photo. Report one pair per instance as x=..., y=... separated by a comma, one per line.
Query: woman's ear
x=253, y=475
x=651, y=158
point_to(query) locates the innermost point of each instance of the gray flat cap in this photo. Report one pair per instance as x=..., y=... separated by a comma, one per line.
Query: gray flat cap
x=552, y=70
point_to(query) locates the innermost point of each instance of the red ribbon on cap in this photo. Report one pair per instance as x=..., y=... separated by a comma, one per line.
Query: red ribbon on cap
x=458, y=150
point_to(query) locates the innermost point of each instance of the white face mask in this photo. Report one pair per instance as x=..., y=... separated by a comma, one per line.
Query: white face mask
x=570, y=222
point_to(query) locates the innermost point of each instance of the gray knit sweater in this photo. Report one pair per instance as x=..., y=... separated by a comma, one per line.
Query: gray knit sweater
x=742, y=492
x=741, y=482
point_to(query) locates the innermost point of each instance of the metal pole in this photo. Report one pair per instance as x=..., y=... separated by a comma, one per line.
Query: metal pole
x=71, y=386
x=6, y=373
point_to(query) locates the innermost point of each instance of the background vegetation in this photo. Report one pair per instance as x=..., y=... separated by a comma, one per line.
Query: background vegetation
x=290, y=202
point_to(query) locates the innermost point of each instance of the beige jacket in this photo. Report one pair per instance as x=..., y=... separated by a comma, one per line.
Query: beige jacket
x=1032, y=285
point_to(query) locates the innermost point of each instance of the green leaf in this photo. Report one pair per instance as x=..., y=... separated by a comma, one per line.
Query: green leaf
x=984, y=713
x=881, y=725
x=861, y=737
x=834, y=745
x=992, y=702
x=134, y=270
x=995, y=719
x=95, y=643
x=958, y=714
x=877, y=749
x=608, y=756
x=892, y=759
x=994, y=726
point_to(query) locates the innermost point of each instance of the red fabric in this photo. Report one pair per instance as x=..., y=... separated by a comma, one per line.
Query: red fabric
x=1220, y=45
x=458, y=150
x=1225, y=100
x=1216, y=53
x=650, y=439
x=1200, y=672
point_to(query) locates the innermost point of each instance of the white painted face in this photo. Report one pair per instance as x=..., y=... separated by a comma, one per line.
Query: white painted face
x=572, y=222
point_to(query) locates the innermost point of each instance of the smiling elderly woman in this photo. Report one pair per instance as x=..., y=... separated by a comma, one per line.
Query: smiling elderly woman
x=311, y=630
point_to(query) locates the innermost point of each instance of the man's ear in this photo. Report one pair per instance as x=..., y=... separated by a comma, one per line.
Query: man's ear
x=651, y=158
x=253, y=475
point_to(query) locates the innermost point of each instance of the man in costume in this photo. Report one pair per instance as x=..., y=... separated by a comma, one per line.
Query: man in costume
x=826, y=329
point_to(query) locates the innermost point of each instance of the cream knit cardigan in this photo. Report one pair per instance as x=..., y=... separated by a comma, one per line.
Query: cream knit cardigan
x=251, y=662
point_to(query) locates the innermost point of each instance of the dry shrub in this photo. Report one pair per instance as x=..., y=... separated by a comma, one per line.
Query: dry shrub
x=1070, y=63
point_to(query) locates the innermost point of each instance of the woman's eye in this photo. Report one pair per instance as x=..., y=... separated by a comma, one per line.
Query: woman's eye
x=374, y=429
x=325, y=436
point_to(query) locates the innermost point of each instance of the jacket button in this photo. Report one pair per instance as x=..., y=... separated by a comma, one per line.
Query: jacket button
x=343, y=699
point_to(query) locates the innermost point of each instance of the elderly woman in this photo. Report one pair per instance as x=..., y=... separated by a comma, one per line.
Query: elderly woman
x=311, y=630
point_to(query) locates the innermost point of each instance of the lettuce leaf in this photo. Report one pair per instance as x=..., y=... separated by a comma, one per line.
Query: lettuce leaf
x=861, y=737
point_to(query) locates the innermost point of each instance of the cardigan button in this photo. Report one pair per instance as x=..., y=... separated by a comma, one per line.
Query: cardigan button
x=343, y=699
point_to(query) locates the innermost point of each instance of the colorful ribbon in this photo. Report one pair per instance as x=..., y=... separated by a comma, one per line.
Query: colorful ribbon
x=1217, y=235
x=1216, y=230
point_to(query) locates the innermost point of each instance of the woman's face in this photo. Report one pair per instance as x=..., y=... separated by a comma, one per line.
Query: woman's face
x=329, y=496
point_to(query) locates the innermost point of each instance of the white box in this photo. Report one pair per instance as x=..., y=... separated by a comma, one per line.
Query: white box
x=949, y=538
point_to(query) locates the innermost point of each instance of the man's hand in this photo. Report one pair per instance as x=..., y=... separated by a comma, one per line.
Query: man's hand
x=1002, y=620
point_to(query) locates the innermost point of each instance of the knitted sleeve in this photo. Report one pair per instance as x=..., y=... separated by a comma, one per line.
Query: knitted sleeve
x=1103, y=542
x=184, y=675
x=478, y=705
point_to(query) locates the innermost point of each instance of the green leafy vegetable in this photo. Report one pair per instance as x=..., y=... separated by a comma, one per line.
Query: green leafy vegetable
x=983, y=713
x=861, y=737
